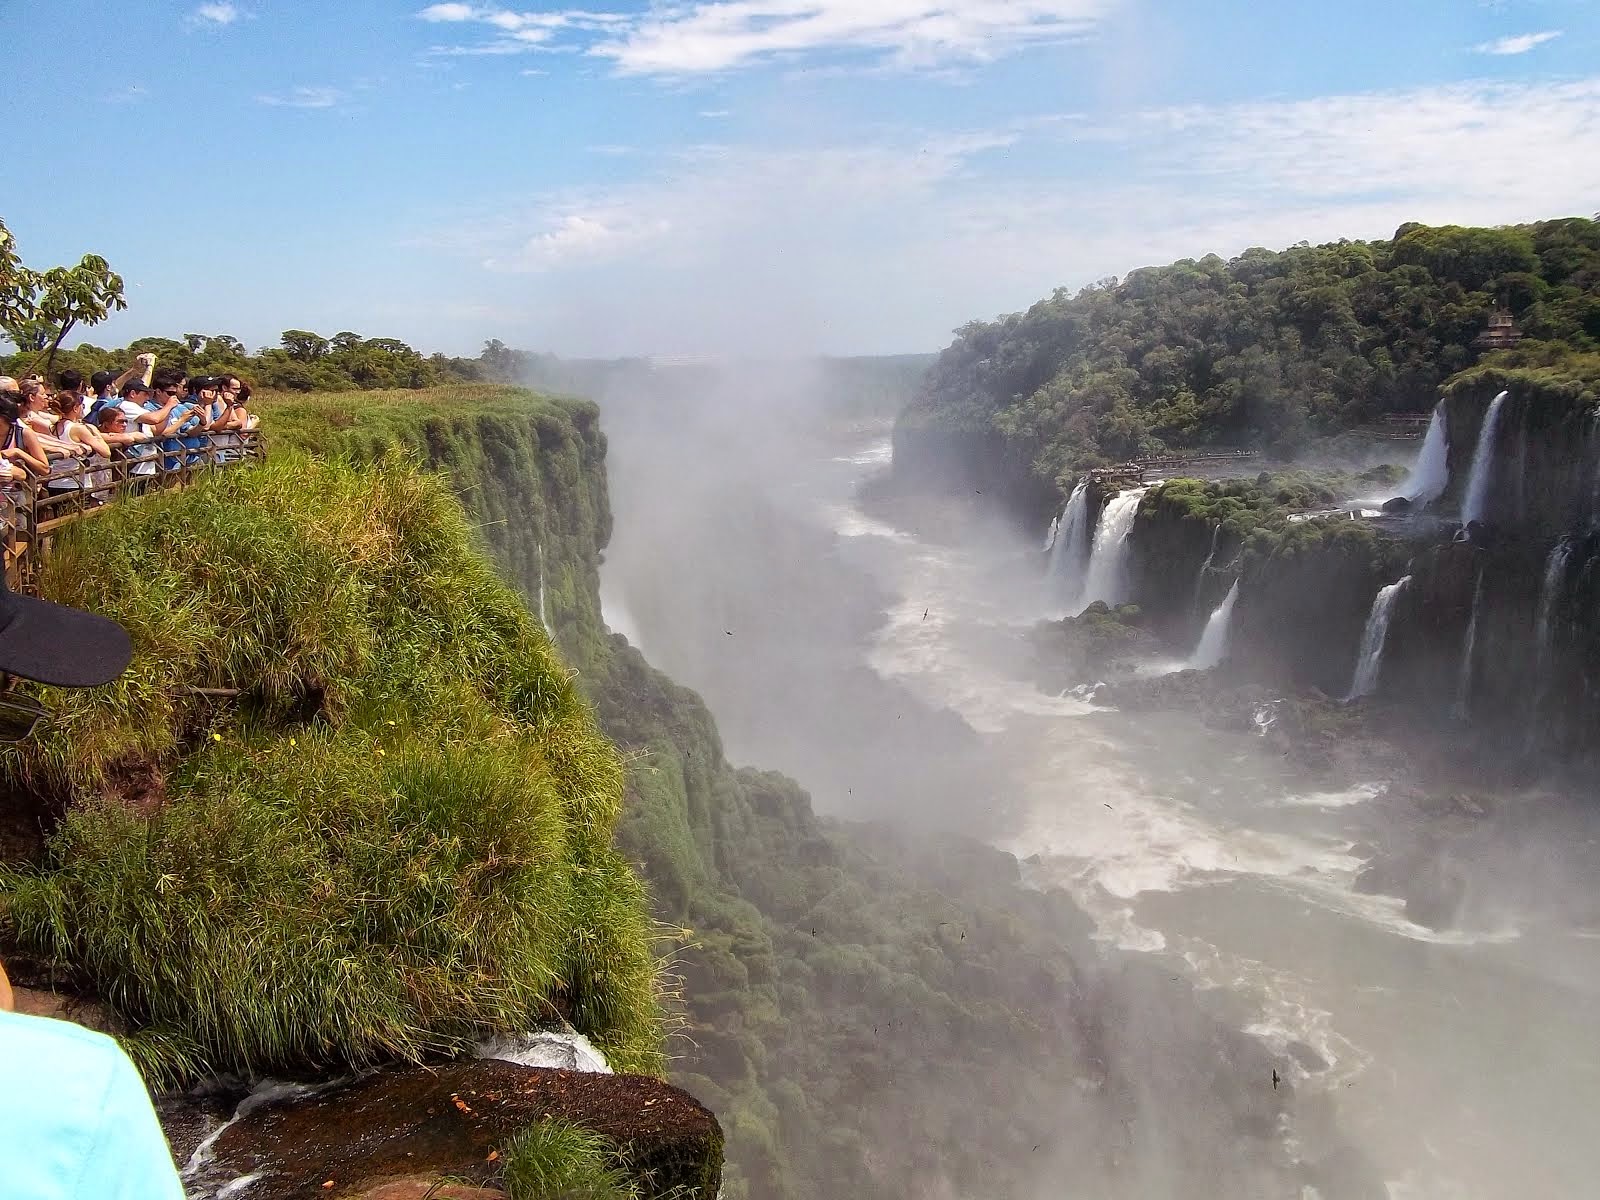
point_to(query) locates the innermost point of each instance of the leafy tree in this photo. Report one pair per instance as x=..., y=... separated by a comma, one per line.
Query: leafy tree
x=38, y=309
x=303, y=345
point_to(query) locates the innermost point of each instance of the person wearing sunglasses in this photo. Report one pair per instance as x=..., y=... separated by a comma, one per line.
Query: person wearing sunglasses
x=76, y=1121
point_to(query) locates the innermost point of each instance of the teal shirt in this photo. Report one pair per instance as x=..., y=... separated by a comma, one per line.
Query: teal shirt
x=75, y=1118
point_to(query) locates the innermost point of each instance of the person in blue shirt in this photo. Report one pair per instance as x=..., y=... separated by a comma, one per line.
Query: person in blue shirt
x=75, y=1119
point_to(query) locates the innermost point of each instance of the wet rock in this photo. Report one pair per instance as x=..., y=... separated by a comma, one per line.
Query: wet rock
x=429, y=1187
x=398, y=1128
x=1399, y=504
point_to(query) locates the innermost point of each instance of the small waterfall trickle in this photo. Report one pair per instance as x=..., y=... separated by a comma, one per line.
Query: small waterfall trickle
x=543, y=620
x=1430, y=474
x=1050, y=534
x=1550, y=591
x=1107, y=577
x=1477, y=497
x=1069, y=548
x=1214, y=640
x=1463, y=705
x=1211, y=557
x=1369, y=661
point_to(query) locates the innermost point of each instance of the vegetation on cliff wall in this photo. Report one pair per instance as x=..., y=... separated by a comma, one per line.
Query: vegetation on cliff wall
x=1265, y=350
x=818, y=967
x=346, y=805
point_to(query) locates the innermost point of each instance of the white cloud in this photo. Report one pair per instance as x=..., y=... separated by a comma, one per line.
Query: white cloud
x=715, y=114
x=890, y=243
x=719, y=35
x=731, y=33
x=1519, y=44
x=304, y=97
x=217, y=14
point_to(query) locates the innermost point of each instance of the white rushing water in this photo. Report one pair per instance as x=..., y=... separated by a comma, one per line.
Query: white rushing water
x=1469, y=650
x=543, y=620
x=1477, y=498
x=1213, y=643
x=1369, y=659
x=1107, y=576
x=1555, y=574
x=1211, y=557
x=1068, y=550
x=1430, y=474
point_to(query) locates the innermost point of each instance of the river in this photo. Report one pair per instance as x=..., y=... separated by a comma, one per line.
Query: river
x=1463, y=1061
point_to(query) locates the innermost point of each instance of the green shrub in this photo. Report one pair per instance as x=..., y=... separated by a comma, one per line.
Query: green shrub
x=557, y=1160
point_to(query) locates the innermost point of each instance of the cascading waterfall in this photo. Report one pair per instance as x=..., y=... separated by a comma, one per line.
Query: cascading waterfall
x=1069, y=548
x=1214, y=640
x=1050, y=534
x=1430, y=474
x=1211, y=557
x=1369, y=661
x=543, y=620
x=1472, y=508
x=1555, y=573
x=1463, y=705
x=1107, y=578
x=1555, y=576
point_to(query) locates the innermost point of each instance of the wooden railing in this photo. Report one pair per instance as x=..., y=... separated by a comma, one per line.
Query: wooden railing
x=34, y=509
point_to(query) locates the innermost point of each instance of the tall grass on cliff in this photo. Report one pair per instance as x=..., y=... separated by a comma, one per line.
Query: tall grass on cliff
x=393, y=841
x=557, y=1159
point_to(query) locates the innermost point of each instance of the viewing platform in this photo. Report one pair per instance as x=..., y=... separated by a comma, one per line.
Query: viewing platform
x=1134, y=472
x=34, y=510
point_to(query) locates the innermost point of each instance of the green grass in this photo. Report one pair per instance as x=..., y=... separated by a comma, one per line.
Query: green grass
x=557, y=1160
x=396, y=841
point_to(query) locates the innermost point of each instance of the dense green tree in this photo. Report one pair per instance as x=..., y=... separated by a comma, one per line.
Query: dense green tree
x=38, y=309
x=1267, y=350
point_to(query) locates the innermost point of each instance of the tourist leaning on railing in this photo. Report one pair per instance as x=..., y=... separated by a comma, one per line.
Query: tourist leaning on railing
x=141, y=414
x=78, y=473
x=18, y=444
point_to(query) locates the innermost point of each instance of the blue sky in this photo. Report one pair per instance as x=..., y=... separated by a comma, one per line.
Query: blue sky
x=756, y=176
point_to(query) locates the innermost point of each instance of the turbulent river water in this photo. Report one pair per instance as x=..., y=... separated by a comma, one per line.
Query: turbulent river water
x=1463, y=1062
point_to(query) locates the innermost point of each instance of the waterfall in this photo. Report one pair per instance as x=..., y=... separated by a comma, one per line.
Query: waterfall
x=1463, y=706
x=1108, y=561
x=1431, y=472
x=1069, y=548
x=1555, y=572
x=543, y=620
x=1050, y=534
x=1369, y=662
x=1214, y=641
x=1211, y=556
x=1472, y=508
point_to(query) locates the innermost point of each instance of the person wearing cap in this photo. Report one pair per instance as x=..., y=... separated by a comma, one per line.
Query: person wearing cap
x=149, y=413
x=76, y=1121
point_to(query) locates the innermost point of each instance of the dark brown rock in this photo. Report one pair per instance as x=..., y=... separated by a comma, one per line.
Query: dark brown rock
x=409, y=1125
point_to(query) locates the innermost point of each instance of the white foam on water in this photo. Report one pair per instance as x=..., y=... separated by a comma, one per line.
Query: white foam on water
x=1357, y=794
x=267, y=1091
x=849, y=521
x=877, y=454
x=568, y=1051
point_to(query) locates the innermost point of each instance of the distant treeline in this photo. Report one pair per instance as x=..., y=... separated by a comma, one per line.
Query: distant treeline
x=308, y=362
x=302, y=362
x=1269, y=349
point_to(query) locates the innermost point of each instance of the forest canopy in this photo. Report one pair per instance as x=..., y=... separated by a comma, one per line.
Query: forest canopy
x=1268, y=350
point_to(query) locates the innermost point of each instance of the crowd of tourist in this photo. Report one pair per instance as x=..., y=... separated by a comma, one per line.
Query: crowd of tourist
x=77, y=442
